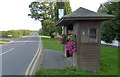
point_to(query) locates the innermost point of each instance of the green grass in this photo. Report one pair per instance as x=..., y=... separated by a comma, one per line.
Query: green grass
x=108, y=65
x=13, y=37
x=3, y=41
x=51, y=43
x=66, y=71
x=109, y=61
x=5, y=37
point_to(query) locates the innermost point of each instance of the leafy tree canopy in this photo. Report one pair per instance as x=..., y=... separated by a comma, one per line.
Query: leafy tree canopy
x=111, y=28
x=47, y=13
x=67, y=10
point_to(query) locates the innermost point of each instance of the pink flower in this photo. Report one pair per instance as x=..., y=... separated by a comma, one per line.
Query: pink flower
x=74, y=46
x=71, y=35
x=70, y=52
x=67, y=49
x=74, y=43
x=71, y=47
x=71, y=32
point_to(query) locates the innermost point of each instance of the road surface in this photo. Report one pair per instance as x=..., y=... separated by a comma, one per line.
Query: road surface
x=16, y=56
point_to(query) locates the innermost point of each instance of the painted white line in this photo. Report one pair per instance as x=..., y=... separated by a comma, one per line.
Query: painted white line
x=7, y=51
x=30, y=65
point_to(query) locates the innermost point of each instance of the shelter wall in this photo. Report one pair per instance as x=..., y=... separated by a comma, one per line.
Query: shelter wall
x=88, y=53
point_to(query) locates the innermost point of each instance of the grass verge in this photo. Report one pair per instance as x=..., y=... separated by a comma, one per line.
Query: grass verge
x=3, y=41
x=66, y=71
x=51, y=43
x=108, y=59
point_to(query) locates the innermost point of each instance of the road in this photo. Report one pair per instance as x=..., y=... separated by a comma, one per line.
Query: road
x=16, y=56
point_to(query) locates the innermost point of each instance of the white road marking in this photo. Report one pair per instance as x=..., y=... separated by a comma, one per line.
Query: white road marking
x=7, y=51
x=14, y=48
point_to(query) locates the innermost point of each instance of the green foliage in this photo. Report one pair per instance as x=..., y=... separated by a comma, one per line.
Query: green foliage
x=111, y=29
x=40, y=32
x=15, y=33
x=44, y=12
x=47, y=13
x=72, y=37
x=63, y=39
x=41, y=10
x=108, y=30
x=48, y=27
x=3, y=34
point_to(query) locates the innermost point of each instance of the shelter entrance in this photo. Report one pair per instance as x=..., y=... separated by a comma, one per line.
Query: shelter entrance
x=68, y=31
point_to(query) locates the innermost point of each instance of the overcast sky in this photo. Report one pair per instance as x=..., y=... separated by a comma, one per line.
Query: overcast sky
x=14, y=13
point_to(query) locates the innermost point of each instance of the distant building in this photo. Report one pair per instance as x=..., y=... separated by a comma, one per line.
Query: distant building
x=9, y=35
x=102, y=8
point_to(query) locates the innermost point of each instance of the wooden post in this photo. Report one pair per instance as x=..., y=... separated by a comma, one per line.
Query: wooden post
x=65, y=31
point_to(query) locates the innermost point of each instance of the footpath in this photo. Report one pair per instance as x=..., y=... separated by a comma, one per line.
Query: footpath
x=54, y=59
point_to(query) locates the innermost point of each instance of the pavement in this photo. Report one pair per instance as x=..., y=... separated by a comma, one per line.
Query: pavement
x=54, y=59
x=18, y=55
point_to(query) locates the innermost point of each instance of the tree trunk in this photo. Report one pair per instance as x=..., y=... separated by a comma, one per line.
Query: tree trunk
x=52, y=36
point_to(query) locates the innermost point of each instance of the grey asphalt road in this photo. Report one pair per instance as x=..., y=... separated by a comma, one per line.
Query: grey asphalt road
x=16, y=56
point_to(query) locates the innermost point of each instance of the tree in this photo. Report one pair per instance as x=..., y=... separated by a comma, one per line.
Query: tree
x=38, y=10
x=67, y=10
x=43, y=11
x=111, y=28
x=46, y=12
x=49, y=28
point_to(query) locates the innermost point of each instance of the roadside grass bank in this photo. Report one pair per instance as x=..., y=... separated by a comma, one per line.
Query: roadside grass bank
x=14, y=33
x=49, y=43
x=108, y=61
x=12, y=37
x=3, y=41
x=66, y=71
